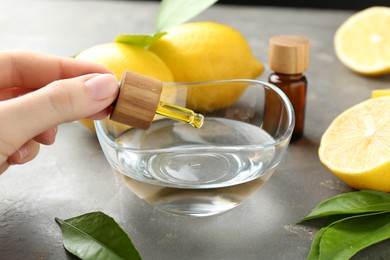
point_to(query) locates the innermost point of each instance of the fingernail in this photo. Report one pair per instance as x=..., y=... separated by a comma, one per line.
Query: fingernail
x=102, y=86
x=23, y=151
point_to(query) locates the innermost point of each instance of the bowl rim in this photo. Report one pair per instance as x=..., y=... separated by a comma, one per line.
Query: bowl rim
x=280, y=140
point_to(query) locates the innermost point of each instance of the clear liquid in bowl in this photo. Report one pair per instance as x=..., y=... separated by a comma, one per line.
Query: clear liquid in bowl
x=222, y=153
x=199, y=171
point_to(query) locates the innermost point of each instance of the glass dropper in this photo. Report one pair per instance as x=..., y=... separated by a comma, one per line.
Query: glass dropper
x=139, y=100
x=181, y=114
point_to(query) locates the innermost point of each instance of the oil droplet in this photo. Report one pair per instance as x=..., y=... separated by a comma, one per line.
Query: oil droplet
x=197, y=121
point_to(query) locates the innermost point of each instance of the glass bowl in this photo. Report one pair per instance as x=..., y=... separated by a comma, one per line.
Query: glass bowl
x=183, y=170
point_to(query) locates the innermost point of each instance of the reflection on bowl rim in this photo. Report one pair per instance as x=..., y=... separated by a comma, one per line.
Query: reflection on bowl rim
x=282, y=139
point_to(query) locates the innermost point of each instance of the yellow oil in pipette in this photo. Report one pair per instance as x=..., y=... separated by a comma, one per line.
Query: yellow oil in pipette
x=180, y=114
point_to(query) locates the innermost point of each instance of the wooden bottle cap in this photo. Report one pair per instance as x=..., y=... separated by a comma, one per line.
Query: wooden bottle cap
x=137, y=101
x=288, y=54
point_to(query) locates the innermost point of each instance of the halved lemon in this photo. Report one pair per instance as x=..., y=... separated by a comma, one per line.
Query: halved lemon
x=356, y=146
x=362, y=42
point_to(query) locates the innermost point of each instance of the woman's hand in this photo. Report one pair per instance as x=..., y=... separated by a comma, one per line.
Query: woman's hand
x=39, y=92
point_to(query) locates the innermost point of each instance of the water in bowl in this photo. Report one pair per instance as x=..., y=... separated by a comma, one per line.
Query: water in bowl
x=184, y=170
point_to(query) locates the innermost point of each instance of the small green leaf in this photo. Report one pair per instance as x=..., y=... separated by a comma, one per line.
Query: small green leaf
x=174, y=12
x=142, y=40
x=351, y=203
x=96, y=236
x=346, y=237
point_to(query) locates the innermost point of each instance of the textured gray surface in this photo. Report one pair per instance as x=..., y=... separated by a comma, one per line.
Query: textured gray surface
x=72, y=177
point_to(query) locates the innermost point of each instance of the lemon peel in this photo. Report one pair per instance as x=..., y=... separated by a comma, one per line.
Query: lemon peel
x=380, y=93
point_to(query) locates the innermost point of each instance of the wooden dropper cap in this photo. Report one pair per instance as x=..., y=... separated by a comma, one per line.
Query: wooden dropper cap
x=288, y=54
x=137, y=101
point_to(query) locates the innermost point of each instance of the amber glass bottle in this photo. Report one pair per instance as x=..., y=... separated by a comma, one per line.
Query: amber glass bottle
x=289, y=58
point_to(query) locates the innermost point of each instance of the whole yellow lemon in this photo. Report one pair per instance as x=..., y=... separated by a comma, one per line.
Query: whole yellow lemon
x=204, y=51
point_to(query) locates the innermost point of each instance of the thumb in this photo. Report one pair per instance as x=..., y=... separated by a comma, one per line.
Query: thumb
x=61, y=101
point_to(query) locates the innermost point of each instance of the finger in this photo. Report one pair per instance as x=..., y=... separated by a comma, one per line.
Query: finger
x=33, y=70
x=102, y=114
x=4, y=166
x=61, y=101
x=47, y=137
x=25, y=153
x=9, y=93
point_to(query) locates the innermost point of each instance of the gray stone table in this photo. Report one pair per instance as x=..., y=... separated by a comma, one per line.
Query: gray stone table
x=72, y=177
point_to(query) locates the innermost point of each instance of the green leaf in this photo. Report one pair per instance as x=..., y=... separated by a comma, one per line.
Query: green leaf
x=96, y=236
x=142, y=40
x=351, y=203
x=315, y=246
x=315, y=250
x=174, y=12
x=346, y=237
